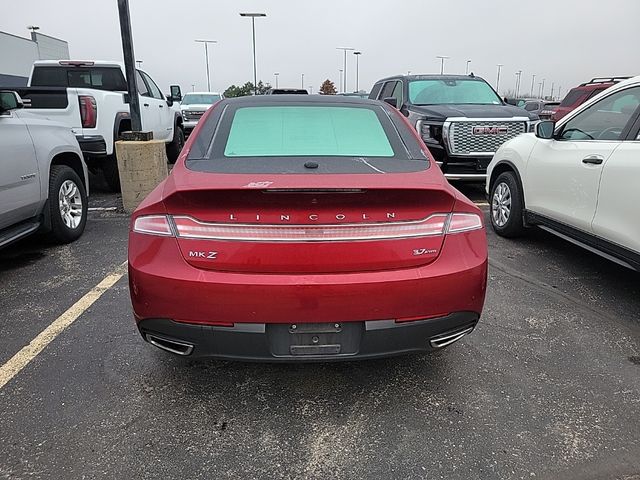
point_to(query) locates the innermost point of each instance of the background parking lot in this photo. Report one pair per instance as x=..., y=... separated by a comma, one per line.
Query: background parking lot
x=548, y=386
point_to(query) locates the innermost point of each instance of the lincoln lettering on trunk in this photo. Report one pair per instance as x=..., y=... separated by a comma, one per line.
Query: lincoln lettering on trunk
x=313, y=217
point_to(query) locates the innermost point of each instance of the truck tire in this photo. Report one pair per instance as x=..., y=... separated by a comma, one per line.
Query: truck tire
x=68, y=204
x=110, y=172
x=506, y=207
x=175, y=147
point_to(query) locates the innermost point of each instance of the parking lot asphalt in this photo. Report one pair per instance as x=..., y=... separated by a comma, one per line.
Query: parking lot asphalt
x=547, y=387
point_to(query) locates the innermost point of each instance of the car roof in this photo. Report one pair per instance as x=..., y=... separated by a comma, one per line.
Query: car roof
x=310, y=99
x=99, y=63
x=432, y=76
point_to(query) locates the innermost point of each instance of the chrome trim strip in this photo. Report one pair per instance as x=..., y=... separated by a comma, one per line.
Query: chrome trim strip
x=466, y=176
x=318, y=227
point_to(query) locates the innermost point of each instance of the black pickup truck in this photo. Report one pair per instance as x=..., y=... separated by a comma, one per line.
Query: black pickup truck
x=461, y=119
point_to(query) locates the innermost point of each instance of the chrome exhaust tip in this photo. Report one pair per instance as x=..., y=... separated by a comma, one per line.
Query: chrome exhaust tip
x=448, y=338
x=173, y=346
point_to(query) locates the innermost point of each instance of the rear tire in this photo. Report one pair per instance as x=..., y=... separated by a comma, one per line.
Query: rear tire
x=175, y=147
x=506, y=206
x=68, y=204
x=111, y=173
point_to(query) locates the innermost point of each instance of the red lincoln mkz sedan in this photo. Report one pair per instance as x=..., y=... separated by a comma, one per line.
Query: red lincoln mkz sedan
x=298, y=228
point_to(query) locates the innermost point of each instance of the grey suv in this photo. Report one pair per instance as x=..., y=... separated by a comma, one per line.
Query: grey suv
x=43, y=181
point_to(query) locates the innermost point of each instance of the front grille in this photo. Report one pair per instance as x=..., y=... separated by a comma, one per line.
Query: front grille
x=192, y=115
x=482, y=136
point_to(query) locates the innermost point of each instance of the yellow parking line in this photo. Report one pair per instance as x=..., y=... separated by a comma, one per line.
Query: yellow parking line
x=21, y=359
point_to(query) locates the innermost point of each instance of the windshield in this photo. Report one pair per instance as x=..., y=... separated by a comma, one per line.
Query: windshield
x=452, y=91
x=306, y=131
x=200, y=98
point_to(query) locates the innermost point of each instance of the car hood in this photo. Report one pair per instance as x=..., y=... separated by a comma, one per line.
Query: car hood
x=195, y=106
x=442, y=112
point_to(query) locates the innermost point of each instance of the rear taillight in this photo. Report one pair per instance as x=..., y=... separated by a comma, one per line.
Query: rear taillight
x=464, y=222
x=187, y=227
x=153, y=225
x=88, y=111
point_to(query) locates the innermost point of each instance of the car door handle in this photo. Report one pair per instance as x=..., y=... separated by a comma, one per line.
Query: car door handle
x=593, y=160
x=145, y=104
x=161, y=106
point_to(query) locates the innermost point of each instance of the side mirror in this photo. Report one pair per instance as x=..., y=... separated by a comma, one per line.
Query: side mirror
x=10, y=100
x=169, y=100
x=176, y=93
x=393, y=101
x=545, y=129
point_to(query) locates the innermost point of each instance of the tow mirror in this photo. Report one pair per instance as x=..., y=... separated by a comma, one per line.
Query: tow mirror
x=393, y=101
x=545, y=129
x=169, y=100
x=176, y=93
x=10, y=100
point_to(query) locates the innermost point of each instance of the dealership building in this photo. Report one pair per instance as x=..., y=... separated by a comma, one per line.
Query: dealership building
x=17, y=55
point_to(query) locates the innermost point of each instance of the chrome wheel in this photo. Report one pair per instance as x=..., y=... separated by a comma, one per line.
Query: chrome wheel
x=501, y=204
x=70, y=204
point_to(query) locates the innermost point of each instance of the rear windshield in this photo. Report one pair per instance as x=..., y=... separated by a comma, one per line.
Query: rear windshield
x=296, y=131
x=452, y=91
x=100, y=78
x=573, y=97
x=309, y=136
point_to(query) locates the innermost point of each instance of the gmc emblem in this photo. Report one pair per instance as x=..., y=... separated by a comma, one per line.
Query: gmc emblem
x=489, y=130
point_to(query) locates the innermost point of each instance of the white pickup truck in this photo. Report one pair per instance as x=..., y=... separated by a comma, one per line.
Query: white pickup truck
x=91, y=98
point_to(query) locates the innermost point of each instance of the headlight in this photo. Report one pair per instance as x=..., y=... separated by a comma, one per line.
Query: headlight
x=428, y=133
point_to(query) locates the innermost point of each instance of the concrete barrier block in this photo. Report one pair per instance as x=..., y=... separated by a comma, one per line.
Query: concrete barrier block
x=142, y=166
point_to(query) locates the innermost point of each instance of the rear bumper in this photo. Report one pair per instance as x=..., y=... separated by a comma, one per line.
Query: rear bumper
x=189, y=299
x=283, y=343
x=92, y=145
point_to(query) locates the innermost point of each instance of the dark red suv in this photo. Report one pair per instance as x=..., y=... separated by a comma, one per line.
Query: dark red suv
x=583, y=92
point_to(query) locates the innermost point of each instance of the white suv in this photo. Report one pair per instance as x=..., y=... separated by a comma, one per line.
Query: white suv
x=194, y=105
x=579, y=178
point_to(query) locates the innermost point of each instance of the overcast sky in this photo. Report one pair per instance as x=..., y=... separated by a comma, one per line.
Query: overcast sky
x=563, y=41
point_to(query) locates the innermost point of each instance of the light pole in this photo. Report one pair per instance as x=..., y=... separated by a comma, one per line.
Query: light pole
x=559, y=94
x=533, y=79
x=519, y=75
x=302, y=82
x=542, y=89
x=466, y=70
x=33, y=29
x=139, y=62
x=206, y=59
x=129, y=65
x=357, y=54
x=553, y=87
x=193, y=87
x=442, y=59
x=253, y=29
x=498, y=79
x=341, y=72
x=344, y=76
x=276, y=75
x=310, y=89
